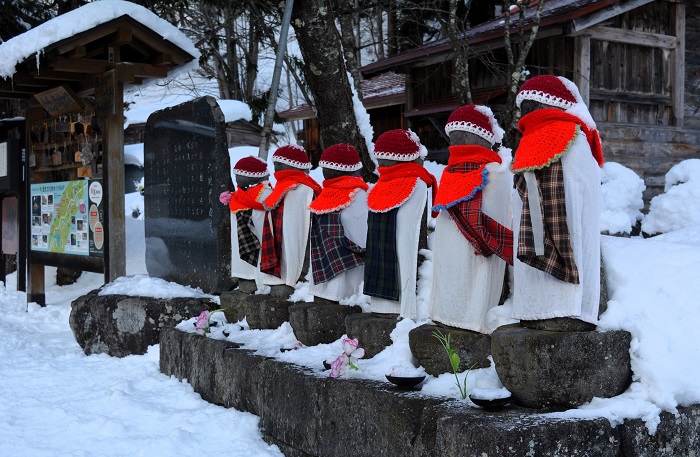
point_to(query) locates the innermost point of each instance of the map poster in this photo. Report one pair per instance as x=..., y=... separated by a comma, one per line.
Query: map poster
x=60, y=219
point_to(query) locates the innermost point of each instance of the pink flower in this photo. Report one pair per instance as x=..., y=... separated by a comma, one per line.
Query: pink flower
x=337, y=365
x=201, y=326
x=225, y=197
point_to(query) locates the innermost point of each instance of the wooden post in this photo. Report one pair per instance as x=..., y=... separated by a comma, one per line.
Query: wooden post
x=35, y=278
x=582, y=66
x=678, y=68
x=110, y=109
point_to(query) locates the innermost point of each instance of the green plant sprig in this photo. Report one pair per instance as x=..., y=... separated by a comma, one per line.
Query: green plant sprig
x=454, y=362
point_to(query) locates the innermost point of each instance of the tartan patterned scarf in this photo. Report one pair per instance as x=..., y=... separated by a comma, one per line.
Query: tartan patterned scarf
x=547, y=135
x=337, y=193
x=286, y=181
x=381, y=257
x=460, y=194
x=331, y=251
x=396, y=184
x=271, y=257
x=558, y=259
x=248, y=243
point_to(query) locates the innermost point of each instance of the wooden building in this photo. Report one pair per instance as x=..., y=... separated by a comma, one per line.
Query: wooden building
x=72, y=73
x=636, y=63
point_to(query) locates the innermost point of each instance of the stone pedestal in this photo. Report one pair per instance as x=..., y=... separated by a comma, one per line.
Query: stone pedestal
x=372, y=330
x=545, y=369
x=260, y=311
x=473, y=348
x=319, y=322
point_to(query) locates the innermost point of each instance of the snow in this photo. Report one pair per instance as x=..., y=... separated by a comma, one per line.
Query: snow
x=133, y=154
x=622, y=192
x=33, y=42
x=679, y=206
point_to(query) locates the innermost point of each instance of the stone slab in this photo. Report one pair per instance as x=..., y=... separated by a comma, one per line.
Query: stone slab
x=319, y=323
x=306, y=413
x=121, y=325
x=473, y=348
x=545, y=369
x=373, y=331
x=187, y=166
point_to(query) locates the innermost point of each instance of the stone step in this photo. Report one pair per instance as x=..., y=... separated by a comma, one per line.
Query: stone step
x=545, y=368
x=308, y=413
x=372, y=330
x=319, y=323
x=473, y=348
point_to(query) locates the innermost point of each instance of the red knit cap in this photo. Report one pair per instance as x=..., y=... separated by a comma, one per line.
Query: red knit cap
x=342, y=157
x=251, y=166
x=547, y=89
x=292, y=155
x=401, y=145
x=475, y=119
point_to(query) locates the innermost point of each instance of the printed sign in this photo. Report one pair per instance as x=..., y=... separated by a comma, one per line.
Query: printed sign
x=60, y=222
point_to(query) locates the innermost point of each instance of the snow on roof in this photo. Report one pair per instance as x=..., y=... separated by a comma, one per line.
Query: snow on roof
x=34, y=41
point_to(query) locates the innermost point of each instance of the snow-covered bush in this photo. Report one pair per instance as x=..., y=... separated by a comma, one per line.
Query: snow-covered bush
x=679, y=206
x=622, y=199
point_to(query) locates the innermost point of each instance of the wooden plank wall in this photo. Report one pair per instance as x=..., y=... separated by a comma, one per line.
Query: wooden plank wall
x=692, y=66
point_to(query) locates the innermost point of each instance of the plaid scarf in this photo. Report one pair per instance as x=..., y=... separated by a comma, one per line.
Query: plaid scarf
x=331, y=251
x=271, y=257
x=460, y=194
x=286, y=181
x=381, y=258
x=396, y=184
x=558, y=259
x=248, y=243
x=337, y=193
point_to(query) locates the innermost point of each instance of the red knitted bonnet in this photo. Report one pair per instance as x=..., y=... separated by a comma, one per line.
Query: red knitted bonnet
x=292, y=155
x=547, y=89
x=475, y=119
x=400, y=145
x=342, y=157
x=252, y=167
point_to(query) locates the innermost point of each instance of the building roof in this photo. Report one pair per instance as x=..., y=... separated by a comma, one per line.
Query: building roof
x=385, y=89
x=73, y=48
x=554, y=13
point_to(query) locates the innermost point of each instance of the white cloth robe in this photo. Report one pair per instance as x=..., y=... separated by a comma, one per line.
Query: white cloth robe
x=538, y=295
x=296, y=222
x=346, y=284
x=408, y=221
x=465, y=285
x=240, y=268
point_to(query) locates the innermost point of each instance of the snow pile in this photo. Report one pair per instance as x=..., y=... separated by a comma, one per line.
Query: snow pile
x=622, y=199
x=679, y=206
x=146, y=286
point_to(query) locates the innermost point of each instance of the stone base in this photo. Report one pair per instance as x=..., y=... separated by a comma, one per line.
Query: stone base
x=260, y=311
x=372, y=330
x=559, y=324
x=247, y=286
x=319, y=323
x=545, y=369
x=282, y=291
x=473, y=348
x=307, y=414
x=121, y=325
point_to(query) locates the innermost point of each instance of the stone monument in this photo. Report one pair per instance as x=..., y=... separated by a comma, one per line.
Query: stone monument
x=187, y=166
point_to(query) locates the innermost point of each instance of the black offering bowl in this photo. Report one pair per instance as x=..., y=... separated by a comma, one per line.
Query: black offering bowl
x=492, y=404
x=405, y=383
x=326, y=365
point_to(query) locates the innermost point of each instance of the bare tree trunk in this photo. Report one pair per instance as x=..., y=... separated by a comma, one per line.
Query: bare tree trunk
x=252, y=57
x=320, y=46
x=350, y=50
x=516, y=65
x=392, y=29
x=379, y=31
x=460, y=48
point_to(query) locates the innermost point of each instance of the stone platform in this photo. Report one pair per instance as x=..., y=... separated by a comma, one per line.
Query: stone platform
x=307, y=413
